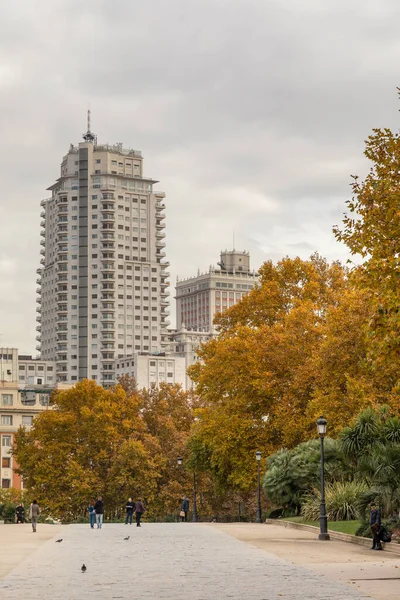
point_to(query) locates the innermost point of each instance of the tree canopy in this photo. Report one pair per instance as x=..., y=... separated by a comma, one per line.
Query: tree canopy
x=109, y=443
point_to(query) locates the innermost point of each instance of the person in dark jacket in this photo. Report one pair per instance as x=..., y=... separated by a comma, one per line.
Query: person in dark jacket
x=184, y=508
x=130, y=507
x=20, y=513
x=139, y=510
x=99, y=510
x=375, y=524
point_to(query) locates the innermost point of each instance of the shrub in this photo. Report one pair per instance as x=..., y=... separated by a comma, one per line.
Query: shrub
x=342, y=501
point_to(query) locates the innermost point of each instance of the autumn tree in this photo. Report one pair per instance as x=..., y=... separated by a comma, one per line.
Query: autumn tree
x=371, y=230
x=167, y=412
x=258, y=377
x=94, y=441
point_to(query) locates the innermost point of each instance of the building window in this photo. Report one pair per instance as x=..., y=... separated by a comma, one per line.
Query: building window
x=27, y=420
x=44, y=399
x=6, y=483
x=6, y=462
x=6, y=420
x=6, y=399
x=6, y=441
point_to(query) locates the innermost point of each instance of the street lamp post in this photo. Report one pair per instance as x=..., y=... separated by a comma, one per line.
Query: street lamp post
x=258, y=459
x=194, y=518
x=323, y=519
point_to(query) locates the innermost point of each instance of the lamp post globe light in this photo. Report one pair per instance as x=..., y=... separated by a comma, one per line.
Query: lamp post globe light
x=179, y=460
x=323, y=519
x=258, y=459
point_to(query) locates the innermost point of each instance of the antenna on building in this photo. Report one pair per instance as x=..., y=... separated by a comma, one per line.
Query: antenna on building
x=89, y=136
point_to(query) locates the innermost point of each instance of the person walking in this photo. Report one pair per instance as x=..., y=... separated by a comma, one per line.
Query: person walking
x=130, y=507
x=34, y=512
x=139, y=510
x=375, y=524
x=99, y=510
x=92, y=514
x=184, y=509
x=20, y=513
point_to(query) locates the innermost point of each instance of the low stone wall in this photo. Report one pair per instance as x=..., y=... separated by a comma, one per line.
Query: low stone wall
x=335, y=535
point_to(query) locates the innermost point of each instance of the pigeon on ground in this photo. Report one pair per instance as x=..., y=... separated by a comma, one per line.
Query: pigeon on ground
x=127, y=538
x=60, y=540
x=83, y=568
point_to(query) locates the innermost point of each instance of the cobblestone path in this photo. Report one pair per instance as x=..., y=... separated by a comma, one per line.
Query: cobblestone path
x=177, y=561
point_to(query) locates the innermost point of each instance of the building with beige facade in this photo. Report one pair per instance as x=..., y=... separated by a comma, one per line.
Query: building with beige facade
x=25, y=387
x=153, y=369
x=103, y=280
x=200, y=298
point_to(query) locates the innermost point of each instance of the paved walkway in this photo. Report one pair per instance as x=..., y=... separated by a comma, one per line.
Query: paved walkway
x=162, y=561
x=376, y=574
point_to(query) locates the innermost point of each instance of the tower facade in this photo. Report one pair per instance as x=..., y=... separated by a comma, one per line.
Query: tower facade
x=200, y=298
x=103, y=280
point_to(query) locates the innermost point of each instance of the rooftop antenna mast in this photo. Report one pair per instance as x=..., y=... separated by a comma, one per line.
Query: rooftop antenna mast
x=89, y=136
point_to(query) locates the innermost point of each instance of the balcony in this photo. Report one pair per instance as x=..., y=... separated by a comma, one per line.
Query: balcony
x=43, y=232
x=62, y=258
x=39, y=319
x=108, y=316
x=62, y=309
x=38, y=347
x=42, y=224
x=38, y=328
x=43, y=214
x=107, y=307
x=42, y=251
x=160, y=206
x=42, y=242
x=164, y=293
x=39, y=299
x=107, y=267
x=38, y=338
x=43, y=202
x=160, y=244
x=160, y=235
x=107, y=336
x=39, y=291
x=42, y=261
x=39, y=271
x=38, y=309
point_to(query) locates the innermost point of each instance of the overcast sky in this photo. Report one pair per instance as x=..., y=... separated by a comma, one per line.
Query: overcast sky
x=250, y=113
